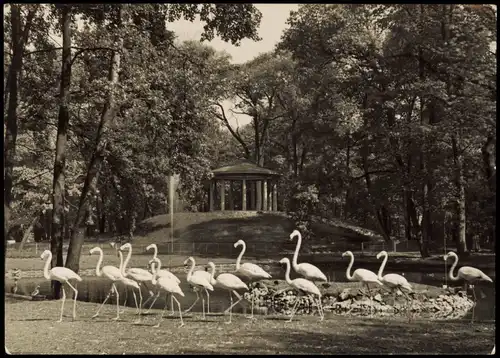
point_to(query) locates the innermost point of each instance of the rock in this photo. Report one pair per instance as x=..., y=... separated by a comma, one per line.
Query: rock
x=345, y=294
x=378, y=298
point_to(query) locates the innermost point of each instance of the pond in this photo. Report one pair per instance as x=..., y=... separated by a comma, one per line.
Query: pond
x=95, y=289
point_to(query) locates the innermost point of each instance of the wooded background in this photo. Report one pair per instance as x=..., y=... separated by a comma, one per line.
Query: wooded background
x=380, y=115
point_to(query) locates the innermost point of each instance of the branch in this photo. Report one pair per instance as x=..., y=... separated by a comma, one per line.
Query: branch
x=235, y=134
x=386, y=171
x=33, y=177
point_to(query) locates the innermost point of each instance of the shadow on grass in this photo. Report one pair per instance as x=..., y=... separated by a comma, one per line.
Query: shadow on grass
x=370, y=337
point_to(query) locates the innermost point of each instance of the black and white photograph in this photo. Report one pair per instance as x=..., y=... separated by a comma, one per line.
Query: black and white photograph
x=249, y=178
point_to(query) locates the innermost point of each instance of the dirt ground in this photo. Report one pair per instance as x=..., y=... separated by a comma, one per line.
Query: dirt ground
x=31, y=327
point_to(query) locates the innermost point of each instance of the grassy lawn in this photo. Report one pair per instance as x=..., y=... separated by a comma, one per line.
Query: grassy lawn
x=31, y=327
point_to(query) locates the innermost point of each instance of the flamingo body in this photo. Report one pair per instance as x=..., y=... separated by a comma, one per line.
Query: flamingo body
x=394, y=281
x=305, y=269
x=165, y=273
x=63, y=274
x=228, y=281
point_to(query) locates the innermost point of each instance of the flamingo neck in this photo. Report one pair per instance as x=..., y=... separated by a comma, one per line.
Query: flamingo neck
x=212, y=273
x=154, y=272
x=381, y=269
x=348, y=271
x=155, y=249
x=238, y=260
x=296, y=253
x=99, y=263
x=453, y=278
x=158, y=262
x=129, y=255
x=287, y=273
x=46, y=272
x=190, y=272
x=122, y=271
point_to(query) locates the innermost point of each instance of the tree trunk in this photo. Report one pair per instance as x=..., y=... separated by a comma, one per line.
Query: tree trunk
x=19, y=39
x=58, y=216
x=76, y=241
x=348, y=175
x=28, y=231
x=460, y=207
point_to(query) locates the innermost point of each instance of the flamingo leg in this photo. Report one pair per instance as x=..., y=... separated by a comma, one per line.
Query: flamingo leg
x=294, y=309
x=320, y=309
x=154, y=300
x=117, y=303
x=162, y=312
x=150, y=297
x=62, y=305
x=172, y=304
x=371, y=299
x=231, y=306
x=107, y=297
x=208, y=301
x=178, y=305
x=74, y=298
x=203, y=302
x=234, y=304
x=409, y=302
x=475, y=301
x=140, y=300
x=197, y=298
x=126, y=299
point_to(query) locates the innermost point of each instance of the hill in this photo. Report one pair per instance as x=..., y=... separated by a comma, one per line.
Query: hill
x=265, y=233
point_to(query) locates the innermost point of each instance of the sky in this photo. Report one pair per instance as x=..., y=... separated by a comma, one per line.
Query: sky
x=272, y=24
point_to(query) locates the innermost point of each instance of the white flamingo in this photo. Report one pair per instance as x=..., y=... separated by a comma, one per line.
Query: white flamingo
x=249, y=270
x=231, y=283
x=137, y=274
x=469, y=274
x=161, y=273
x=302, y=286
x=63, y=275
x=198, y=280
x=392, y=280
x=305, y=269
x=366, y=277
x=168, y=285
x=113, y=274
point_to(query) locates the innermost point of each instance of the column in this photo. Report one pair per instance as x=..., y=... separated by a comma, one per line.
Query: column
x=270, y=200
x=243, y=195
x=230, y=194
x=264, y=195
x=258, y=195
x=211, y=194
x=252, y=195
x=222, y=195
x=275, y=197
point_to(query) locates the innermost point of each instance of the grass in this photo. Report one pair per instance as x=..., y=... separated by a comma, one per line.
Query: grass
x=31, y=327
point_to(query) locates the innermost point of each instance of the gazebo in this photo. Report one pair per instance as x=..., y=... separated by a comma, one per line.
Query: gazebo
x=247, y=181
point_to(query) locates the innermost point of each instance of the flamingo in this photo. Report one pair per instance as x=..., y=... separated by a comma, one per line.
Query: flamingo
x=231, y=283
x=137, y=274
x=392, y=280
x=198, y=279
x=161, y=273
x=168, y=285
x=305, y=269
x=362, y=275
x=471, y=275
x=302, y=285
x=63, y=275
x=113, y=274
x=251, y=271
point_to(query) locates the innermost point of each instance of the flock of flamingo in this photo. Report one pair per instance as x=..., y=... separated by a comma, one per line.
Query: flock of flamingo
x=165, y=281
